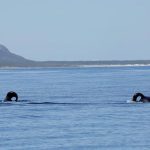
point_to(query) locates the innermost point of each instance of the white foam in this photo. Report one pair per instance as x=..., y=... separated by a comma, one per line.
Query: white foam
x=130, y=101
x=120, y=65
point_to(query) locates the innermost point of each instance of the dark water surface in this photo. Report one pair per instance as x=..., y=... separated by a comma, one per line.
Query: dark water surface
x=75, y=109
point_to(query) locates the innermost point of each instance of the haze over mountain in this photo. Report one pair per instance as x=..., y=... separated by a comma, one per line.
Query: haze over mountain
x=9, y=59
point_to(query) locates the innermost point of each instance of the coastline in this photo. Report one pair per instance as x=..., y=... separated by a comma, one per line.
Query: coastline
x=76, y=66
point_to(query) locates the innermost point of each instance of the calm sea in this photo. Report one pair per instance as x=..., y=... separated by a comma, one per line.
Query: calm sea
x=75, y=109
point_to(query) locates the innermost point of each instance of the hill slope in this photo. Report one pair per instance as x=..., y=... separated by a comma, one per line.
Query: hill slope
x=9, y=59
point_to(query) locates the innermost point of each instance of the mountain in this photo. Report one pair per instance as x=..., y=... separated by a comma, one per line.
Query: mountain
x=9, y=59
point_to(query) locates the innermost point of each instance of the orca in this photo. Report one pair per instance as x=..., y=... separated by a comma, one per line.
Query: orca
x=11, y=95
x=139, y=97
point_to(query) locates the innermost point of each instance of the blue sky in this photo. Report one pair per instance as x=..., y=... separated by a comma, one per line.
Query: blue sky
x=76, y=29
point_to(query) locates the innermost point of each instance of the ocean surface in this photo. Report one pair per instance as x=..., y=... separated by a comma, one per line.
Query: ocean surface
x=75, y=109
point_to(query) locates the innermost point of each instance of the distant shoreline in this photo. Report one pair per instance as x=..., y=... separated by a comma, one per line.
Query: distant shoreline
x=77, y=64
x=11, y=60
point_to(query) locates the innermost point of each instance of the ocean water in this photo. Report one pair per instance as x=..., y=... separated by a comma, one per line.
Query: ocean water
x=75, y=109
